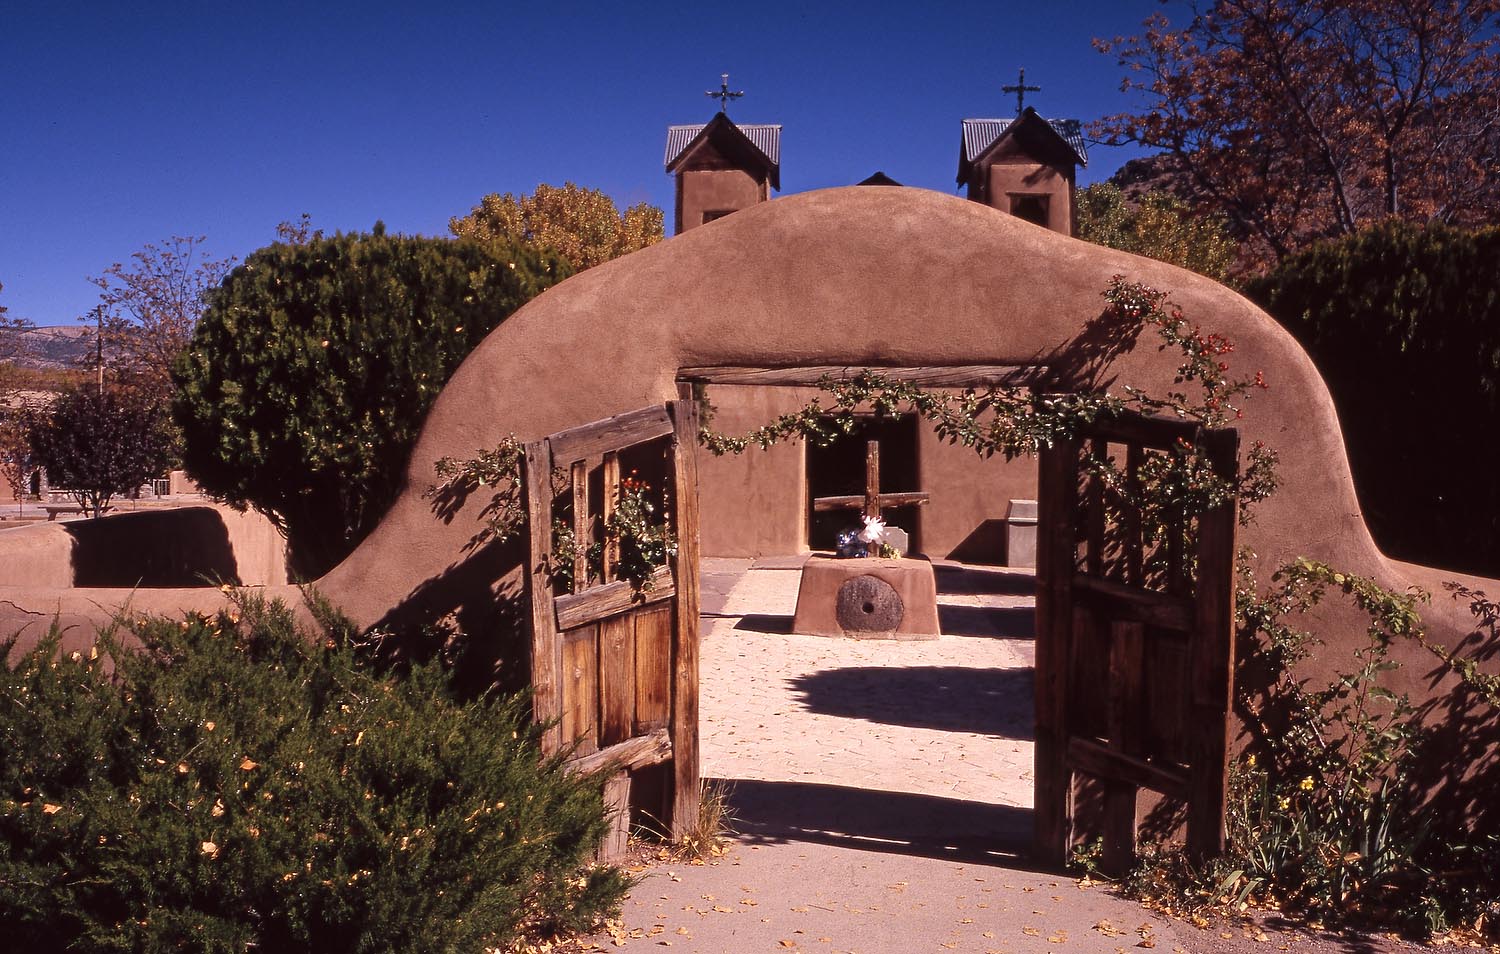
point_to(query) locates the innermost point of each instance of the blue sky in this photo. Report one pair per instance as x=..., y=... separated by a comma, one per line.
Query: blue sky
x=122, y=124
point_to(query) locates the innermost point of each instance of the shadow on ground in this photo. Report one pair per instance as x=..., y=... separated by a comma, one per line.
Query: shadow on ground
x=984, y=581
x=765, y=623
x=994, y=702
x=927, y=826
x=996, y=622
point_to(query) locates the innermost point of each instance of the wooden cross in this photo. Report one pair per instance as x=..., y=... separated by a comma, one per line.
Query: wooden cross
x=722, y=94
x=872, y=500
x=1020, y=89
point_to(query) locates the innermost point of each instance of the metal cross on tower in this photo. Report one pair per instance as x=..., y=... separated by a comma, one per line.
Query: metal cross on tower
x=722, y=94
x=1020, y=89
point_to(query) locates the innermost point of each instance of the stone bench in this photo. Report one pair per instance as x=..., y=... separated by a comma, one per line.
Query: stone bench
x=867, y=598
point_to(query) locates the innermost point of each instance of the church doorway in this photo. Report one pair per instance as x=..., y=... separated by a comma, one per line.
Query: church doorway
x=839, y=470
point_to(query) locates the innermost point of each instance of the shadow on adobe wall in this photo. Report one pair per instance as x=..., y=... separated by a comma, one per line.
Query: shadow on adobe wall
x=184, y=547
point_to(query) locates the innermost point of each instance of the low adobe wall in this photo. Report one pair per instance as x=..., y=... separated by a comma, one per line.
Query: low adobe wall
x=177, y=547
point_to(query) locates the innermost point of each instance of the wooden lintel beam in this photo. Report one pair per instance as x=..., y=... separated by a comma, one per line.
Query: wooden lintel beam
x=957, y=376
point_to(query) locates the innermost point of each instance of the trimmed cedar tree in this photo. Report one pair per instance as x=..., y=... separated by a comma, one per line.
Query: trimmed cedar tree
x=314, y=365
x=1403, y=322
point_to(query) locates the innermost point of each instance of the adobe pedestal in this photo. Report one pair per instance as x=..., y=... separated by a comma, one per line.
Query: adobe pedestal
x=867, y=598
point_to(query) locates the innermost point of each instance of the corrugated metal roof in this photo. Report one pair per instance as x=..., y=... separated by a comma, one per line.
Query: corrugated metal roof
x=765, y=137
x=980, y=134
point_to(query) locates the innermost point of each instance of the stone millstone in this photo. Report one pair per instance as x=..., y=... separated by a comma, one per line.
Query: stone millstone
x=869, y=605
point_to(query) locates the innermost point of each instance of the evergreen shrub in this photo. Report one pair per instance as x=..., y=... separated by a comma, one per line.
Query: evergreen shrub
x=237, y=785
x=1403, y=322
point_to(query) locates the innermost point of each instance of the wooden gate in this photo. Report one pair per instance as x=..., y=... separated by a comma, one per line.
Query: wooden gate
x=1135, y=631
x=614, y=669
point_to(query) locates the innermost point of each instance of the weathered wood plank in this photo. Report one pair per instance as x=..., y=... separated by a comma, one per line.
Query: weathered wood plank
x=653, y=748
x=1125, y=714
x=616, y=678
x=1100, y=761
x=617, y=809
x=611, y=493
x=611, y=434
x=597, y=602
x=1094, y=513
x=857, y=501
x=583, y=521
x=546, y=648
x=1135, y=604
x=580, y=695
x=653, y=667
x=686, y=783
x=957, y=376
x=1057, y=507
x=1211, y=663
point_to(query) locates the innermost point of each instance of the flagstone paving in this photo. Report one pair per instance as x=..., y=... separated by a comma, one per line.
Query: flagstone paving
x=882, y=793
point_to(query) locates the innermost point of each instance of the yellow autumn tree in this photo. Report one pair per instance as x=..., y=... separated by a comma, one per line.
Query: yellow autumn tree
x=581, y=225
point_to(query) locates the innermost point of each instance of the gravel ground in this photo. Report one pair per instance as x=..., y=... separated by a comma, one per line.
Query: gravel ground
x=882, y=795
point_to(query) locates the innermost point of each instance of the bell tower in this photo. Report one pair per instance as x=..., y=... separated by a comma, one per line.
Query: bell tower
x=721, y=167
x=1026, y=166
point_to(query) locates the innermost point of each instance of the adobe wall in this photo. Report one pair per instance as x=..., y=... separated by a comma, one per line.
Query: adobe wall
x=710, y=190
x=1020, y=175
x=755, y=504
x=851, y=276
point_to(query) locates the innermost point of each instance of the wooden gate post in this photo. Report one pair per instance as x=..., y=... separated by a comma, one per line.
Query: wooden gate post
x=1211, y=664
x=687, y=787
x=546, y=645
x=1057, y=508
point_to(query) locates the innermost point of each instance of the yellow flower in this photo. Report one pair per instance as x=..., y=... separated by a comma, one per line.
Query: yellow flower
x=1306, y=784
x=1284, y=803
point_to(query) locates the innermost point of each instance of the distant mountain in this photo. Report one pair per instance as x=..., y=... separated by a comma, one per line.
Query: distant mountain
x=50, y=347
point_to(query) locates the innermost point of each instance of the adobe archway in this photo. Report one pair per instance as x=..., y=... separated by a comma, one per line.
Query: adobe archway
x=845, y=277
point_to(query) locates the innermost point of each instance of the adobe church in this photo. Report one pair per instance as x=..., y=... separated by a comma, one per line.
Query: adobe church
x=796, y=496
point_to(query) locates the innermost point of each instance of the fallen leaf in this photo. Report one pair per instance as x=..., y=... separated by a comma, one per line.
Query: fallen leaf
x=786, y=943
x=49, y=809
x=247, y=765
x=1030, y=931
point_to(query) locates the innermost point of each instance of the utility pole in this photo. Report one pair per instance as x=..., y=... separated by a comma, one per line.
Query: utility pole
x=99, y=346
